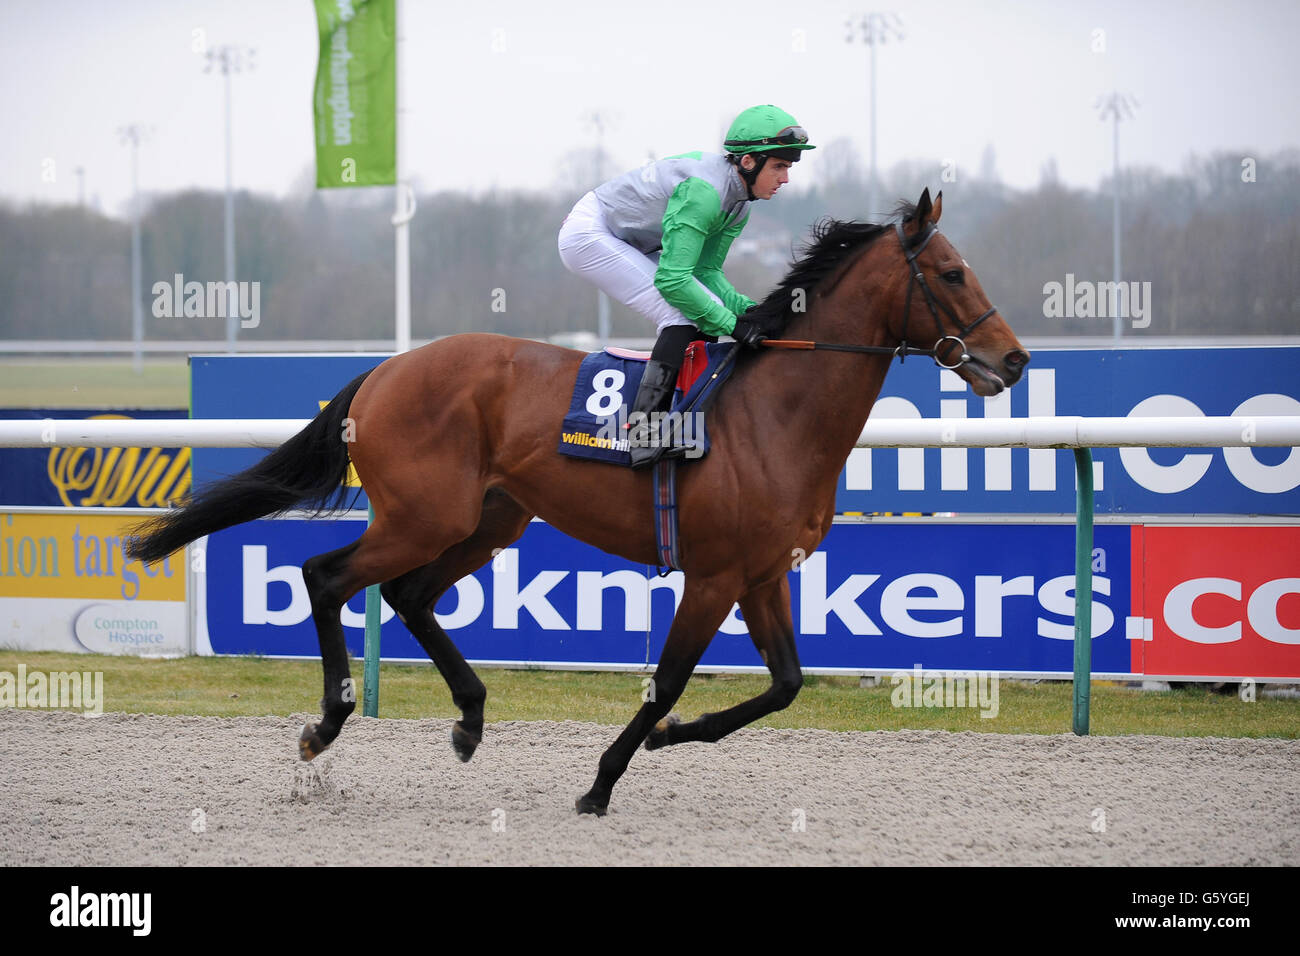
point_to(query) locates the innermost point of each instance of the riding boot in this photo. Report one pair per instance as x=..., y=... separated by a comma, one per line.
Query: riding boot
x=654, y=395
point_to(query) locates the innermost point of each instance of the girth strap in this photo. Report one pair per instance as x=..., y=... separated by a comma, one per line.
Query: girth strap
x=665, y=495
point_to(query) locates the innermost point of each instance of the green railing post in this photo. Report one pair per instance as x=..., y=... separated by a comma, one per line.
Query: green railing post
x=370, y=673
x=1083, y=590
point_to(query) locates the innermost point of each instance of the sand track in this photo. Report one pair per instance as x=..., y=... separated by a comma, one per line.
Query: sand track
x=123, y=789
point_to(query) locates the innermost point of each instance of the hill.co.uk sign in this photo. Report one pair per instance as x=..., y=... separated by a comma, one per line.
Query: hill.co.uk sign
x=1093, y=383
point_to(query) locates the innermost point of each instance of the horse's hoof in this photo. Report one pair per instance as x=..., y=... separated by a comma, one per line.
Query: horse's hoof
x=659, y=736
x=309, y=743
x=463, y=742
x=588, y=804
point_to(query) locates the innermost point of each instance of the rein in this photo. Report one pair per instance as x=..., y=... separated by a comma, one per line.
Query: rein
x=903, y=349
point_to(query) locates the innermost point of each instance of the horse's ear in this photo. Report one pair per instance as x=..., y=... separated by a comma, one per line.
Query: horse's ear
x=938, y=208
x=923, y=208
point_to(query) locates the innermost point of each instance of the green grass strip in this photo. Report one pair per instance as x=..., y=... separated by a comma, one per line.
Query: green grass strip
x=88, y=383
x=252, y=686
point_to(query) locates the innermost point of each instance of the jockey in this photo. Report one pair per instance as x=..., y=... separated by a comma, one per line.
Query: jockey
x=655, y=239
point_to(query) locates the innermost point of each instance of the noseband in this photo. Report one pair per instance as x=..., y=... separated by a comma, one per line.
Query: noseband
x=916, y=278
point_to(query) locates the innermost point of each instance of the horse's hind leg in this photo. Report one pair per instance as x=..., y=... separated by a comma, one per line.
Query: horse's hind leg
x=767, y=613
x=323, y=575
x=332, y=578
x=414, y=594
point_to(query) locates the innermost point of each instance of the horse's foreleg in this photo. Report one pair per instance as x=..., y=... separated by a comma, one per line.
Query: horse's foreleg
x=703, y=609
x=415, y=593
x=767, y=614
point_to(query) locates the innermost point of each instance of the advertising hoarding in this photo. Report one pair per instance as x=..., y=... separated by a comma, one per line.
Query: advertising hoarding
x=65, y=585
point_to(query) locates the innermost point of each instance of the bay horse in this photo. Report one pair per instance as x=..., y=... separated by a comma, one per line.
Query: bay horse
x=455, y=445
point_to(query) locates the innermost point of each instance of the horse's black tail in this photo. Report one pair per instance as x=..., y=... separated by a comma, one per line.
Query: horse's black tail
x=307, y=470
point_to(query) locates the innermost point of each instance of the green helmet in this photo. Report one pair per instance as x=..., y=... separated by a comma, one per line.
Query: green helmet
x=766, y=129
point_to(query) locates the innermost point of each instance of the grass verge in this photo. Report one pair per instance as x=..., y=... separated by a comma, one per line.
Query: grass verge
x=94, y=383
x=251, y=686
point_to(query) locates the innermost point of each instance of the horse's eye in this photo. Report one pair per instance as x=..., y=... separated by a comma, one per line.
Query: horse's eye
x=953, y=276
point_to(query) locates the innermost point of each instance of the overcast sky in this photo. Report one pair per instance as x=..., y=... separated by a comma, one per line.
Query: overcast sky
x=668, y=76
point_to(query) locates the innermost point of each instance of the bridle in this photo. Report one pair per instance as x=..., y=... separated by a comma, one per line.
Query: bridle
x=903, y=349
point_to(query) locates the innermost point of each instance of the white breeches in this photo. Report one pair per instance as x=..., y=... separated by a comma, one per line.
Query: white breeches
x=624, y=272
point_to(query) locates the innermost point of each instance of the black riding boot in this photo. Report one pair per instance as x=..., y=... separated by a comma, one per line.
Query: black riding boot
x=654, y=395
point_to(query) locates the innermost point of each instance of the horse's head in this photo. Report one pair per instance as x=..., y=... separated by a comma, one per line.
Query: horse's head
x=944, y=309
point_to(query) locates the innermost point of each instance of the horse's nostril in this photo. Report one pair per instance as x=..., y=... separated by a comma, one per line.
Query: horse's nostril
x=1015, y=359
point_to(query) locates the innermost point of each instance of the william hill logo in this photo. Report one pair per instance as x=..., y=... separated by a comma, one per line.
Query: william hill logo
x=593, y=441
x=119, y=477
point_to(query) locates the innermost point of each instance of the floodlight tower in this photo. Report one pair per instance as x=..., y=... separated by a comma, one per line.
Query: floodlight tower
x=1115, y=107
x=133, y=135
x=876, y=29
x=230, y=58
x=599, y=122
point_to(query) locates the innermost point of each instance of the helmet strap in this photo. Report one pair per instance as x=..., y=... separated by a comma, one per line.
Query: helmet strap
x=749, y=176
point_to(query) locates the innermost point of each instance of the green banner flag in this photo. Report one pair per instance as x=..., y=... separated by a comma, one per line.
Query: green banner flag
x=356, y=93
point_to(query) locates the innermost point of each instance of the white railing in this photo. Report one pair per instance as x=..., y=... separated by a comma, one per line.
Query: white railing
x=151, y=432
x=1067, y=432
x=1056, y=432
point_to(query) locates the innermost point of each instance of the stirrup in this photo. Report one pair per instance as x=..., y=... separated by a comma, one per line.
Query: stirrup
x=645, y=455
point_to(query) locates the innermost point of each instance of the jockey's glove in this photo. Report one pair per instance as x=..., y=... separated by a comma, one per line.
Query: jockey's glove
x=748, y=333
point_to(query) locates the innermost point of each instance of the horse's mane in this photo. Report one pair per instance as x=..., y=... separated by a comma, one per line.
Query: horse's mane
x=833, y=243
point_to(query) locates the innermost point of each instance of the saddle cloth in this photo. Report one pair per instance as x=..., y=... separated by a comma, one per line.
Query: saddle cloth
x=606, y=385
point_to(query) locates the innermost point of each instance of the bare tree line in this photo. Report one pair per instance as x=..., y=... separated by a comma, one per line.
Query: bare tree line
x=1218, y=243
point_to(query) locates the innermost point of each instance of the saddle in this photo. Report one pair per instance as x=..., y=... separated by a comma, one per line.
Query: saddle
x=693, y=365
x=594, y=428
